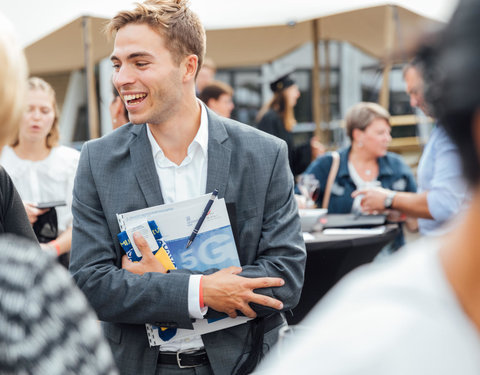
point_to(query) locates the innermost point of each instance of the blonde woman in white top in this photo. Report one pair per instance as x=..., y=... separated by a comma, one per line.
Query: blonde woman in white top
x=41, y=170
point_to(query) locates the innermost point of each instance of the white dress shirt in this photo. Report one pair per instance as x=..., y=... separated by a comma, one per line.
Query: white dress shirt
x=50, y=179
x=180, y=182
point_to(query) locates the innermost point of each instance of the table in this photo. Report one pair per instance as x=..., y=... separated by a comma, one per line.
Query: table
x=330, y=257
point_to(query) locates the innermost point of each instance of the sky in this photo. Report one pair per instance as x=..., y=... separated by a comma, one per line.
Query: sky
x=34, y=19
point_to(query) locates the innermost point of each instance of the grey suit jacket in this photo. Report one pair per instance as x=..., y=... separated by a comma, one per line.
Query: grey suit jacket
x=117, y=174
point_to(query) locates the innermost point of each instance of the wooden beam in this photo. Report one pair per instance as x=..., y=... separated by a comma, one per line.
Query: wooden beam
x=384, y=97
x=326, y=91
x=93, y=122
x=316, y=94
x=407, y=120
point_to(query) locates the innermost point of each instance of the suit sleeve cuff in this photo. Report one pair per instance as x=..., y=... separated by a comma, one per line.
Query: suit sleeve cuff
x=194, y=308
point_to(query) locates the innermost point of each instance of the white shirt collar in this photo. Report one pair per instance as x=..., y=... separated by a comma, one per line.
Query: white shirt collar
x=201, y=138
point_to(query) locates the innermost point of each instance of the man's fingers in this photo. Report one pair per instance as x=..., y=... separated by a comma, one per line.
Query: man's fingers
x=142, y=245
x=232, y=313
x=264, y=282
x=260, y=299
x=125, y=261
x=232, y=270
x=248, y=311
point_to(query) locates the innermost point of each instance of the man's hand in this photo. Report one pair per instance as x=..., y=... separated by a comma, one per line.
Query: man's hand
x=373, y=199
x=395, y=216
x=227, y=292
x=148, y=263
x=33, y=212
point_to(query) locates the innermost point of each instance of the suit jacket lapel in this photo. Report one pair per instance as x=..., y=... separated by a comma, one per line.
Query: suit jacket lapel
x=144, y=166
x=218, y=155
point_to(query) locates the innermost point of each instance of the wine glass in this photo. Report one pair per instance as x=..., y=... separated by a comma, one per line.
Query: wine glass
x=308, y=186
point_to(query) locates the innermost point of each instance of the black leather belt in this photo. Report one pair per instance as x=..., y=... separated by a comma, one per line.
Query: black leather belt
x=184, y=359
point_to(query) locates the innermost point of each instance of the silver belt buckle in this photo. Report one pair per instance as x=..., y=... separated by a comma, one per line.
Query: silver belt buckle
x=187, y=351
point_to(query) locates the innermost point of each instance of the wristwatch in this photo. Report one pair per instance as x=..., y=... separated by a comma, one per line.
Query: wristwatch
x=389, y=199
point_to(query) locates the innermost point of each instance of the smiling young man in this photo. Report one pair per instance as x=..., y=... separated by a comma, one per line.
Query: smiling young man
x=175, y=149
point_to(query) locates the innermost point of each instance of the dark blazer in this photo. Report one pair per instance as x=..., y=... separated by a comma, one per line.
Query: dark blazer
x=13, y=218
x=299, y=156
x=117, y=174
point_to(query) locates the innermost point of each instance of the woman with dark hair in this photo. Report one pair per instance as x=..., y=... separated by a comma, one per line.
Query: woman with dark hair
x=41, y=170
x=277, y=118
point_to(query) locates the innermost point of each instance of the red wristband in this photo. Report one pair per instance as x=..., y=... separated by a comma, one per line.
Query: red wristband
x=200, y=294
x=56, y=245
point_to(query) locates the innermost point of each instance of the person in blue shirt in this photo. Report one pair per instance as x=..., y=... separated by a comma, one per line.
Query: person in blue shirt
x=366, y=163
x=442, y=190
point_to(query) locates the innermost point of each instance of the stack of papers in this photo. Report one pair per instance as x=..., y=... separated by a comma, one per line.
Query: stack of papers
x=353, y=231
x=213, y=247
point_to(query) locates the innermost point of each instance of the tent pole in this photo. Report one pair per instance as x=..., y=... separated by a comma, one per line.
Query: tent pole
x=384, y=97
x=316, y=94
x=326, y=95
x=93, y=123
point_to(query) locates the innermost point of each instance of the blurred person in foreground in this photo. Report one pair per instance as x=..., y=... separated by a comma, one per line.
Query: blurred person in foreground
x=118, y=112
x=442, y=191
x=277, y=118
x=174, y=149
x=218, y=96
x=42, y=170
x=418, y=313
x=46, y=326
x=366, y=163
x=13, y=71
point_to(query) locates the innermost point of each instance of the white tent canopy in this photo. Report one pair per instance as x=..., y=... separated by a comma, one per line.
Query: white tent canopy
x=367, y=28
x=64, y=49
x=35, y=19
x=379, y=29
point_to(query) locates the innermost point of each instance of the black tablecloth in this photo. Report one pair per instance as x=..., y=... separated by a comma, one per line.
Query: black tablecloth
x=330, y=257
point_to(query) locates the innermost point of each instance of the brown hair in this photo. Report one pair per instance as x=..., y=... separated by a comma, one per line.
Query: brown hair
x=279, y=104
x=36, y=83
x=214, y=90
x=362, y=114
x=13, y=76
x=173, y=20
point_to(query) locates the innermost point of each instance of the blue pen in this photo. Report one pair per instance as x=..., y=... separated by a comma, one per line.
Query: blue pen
x=202, y=218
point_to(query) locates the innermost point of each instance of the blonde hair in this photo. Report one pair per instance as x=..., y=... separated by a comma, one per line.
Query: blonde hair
x=173, y=20
x=36, y=83
x=13, y=75
x=362, y=114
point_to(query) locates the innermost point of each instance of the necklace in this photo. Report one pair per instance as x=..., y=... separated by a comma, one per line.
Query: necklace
x=368, y=172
